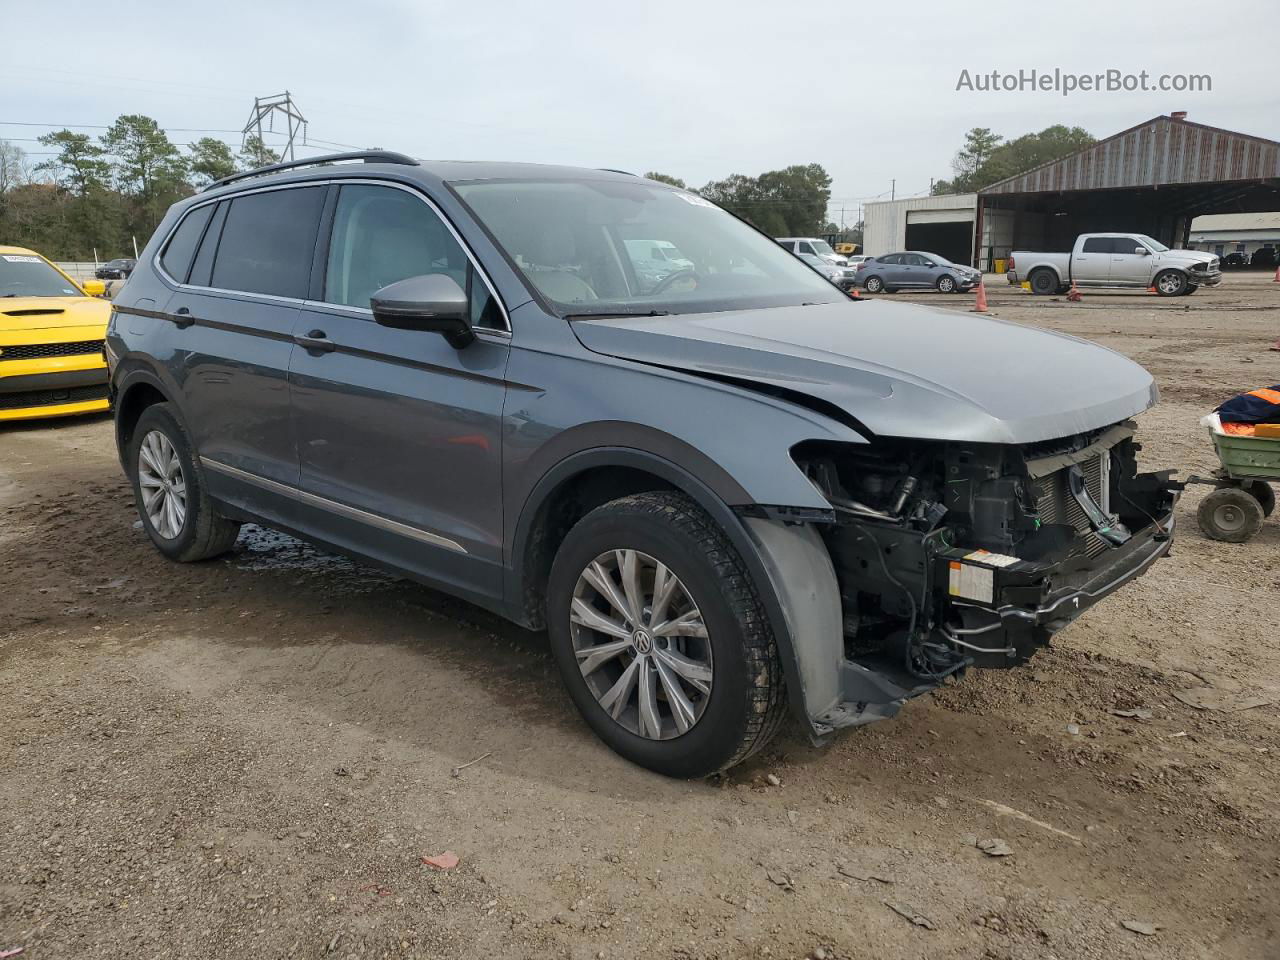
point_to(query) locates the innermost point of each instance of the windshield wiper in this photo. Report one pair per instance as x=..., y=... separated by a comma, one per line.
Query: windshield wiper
x=617, y=313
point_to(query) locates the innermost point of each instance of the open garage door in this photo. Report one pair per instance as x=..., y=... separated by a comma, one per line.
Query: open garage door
x=948, y=233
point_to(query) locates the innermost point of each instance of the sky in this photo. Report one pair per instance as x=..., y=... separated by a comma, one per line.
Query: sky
x=700, y=89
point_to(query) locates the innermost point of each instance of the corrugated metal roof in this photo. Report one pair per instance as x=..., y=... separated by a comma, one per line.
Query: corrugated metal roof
x=1159, y=152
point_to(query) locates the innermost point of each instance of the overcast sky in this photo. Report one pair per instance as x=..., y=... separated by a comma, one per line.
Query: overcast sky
x=698, y=89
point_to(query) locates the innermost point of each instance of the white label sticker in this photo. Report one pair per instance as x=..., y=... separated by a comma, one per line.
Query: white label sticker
x=694, y=199
x=972, y=582
x=991, y=559
x=14, y=258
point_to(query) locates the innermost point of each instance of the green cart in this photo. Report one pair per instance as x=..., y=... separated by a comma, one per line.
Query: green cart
x=1244, y=498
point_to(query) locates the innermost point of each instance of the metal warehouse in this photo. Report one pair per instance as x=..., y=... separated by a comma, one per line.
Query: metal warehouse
x=1154, y=178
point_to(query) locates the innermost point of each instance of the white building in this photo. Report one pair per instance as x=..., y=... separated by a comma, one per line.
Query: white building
x=941, y=225
x=1224, y=233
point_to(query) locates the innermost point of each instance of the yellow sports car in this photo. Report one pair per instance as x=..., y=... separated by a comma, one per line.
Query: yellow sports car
x=51, y=333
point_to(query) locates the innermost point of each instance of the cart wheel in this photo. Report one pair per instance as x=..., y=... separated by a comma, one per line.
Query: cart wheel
x=1261, y=491
x=1230, y=514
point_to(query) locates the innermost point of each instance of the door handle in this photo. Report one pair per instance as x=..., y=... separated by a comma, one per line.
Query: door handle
x=316, y=340
x=182, y=318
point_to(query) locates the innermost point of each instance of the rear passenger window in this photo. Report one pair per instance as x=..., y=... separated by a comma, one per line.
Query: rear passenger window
x=268, y=241
x=382, y=235
x=177, y=255
x=202, y=269
x=1099, y=245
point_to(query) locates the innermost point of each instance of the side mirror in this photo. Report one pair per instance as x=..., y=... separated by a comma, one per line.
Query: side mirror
x=1142, y=251
x=432, y=302
x=94, y=288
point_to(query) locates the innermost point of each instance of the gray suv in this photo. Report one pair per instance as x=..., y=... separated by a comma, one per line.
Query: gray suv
x=729, y=493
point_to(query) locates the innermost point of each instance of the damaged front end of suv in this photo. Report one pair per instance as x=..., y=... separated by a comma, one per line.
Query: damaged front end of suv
x=949, y=555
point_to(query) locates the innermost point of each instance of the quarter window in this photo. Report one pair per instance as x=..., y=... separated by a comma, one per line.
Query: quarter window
x=268, y=241
x=382, y=235
x=176, y=258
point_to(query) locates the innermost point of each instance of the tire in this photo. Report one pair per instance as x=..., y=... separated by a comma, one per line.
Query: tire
x=1230, y=514
x=873, y=285
x=946, y=284
x=1261, y=491
x=1043, y=282
x=162, y=469
x=1170, y=283
x=741, y=700
x=1191, y=288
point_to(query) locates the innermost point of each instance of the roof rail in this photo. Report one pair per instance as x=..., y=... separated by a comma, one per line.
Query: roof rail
x=368, y=156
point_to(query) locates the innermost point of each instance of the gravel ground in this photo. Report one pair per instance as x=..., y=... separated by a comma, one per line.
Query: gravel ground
x=252, y=756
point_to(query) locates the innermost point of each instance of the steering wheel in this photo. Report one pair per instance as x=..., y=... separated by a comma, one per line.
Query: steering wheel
x=662, y=285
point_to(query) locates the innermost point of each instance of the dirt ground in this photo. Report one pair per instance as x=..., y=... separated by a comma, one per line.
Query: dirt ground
x=250, y=757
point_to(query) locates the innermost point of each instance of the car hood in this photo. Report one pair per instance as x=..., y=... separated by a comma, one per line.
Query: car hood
x=44, y=313
x=899, y=370
x=1191, y=256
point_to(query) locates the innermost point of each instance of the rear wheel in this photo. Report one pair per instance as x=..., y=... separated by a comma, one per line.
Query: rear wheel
x=874, y=285
x=169, y=490
x=1261, y=491
x=1171, y=283
x=1043, y=282
x=1230, y=514
x=661, y=639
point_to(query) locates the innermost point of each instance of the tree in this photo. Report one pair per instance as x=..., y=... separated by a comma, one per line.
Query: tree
x=80, y=164
x=13, y=167
x=985, y=159
x=255, y=153
x=665, y=178
x=211, y=160
x=147, y=169
x=792, y=201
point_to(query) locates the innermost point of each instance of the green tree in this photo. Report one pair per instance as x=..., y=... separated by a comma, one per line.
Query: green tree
x=80, y=164
x=792, y=201
x=665, y=178
x=147, y=169
x=210, y=160
x=985, y=159
x=255, y=153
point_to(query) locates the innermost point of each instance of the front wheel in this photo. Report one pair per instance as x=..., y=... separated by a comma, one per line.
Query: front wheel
x=1171, y=283
x=661, y=639
x=874, y=285
x=946, y=284
x=169, y=490
x=1230, y=514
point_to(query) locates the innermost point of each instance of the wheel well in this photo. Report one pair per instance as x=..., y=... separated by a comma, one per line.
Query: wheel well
x=572, y=500
x=129, y=408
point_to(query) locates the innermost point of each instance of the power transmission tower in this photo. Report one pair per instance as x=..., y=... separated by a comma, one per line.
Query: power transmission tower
x=266, y=108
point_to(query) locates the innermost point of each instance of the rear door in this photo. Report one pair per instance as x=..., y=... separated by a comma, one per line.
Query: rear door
x=1093, y=263
x=234, y=323
x=1127, y=266
x=398, y=432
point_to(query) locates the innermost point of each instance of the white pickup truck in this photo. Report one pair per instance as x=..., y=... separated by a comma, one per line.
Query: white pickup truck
x=1116, y=260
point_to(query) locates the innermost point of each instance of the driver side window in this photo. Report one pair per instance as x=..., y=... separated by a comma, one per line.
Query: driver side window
x=382, y=235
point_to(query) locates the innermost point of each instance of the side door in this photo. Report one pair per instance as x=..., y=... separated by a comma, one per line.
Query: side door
x=399, y=433
x=910, y=269
x=1129, y=268
x=1092, y=263
x=233, y=319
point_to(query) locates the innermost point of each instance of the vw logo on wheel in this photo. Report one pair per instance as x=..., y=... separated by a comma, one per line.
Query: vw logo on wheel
x=642, y=641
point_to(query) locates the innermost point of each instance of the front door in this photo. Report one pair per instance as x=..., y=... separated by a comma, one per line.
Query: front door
x=1129, y=268
x=398, y=432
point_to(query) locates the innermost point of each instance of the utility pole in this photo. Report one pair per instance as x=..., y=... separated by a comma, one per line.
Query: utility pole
x=893, y=190
x=266, y=108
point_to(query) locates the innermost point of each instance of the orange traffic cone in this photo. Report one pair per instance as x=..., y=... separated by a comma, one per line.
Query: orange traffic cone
x=980, y=305
x=1152, y=289
x=1276, y=278
x=853, y=294
x=1074, y=294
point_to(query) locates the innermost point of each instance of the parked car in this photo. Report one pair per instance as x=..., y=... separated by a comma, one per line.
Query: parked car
x=1117, y=260
x=814, y=247
x=1264, y=258
x=729, y=496
x=1235, y=261
x=915, y=270
x=116, y=269
x=843, y=277
x=51, y=335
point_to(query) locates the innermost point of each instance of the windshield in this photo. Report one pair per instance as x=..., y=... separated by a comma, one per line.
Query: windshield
x=24, y=275
x=1151, y=242
x=605, y=247
x=822, y=248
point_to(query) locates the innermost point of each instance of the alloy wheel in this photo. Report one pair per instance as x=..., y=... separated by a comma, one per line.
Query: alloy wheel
x=163, y=485
x=641, y=644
